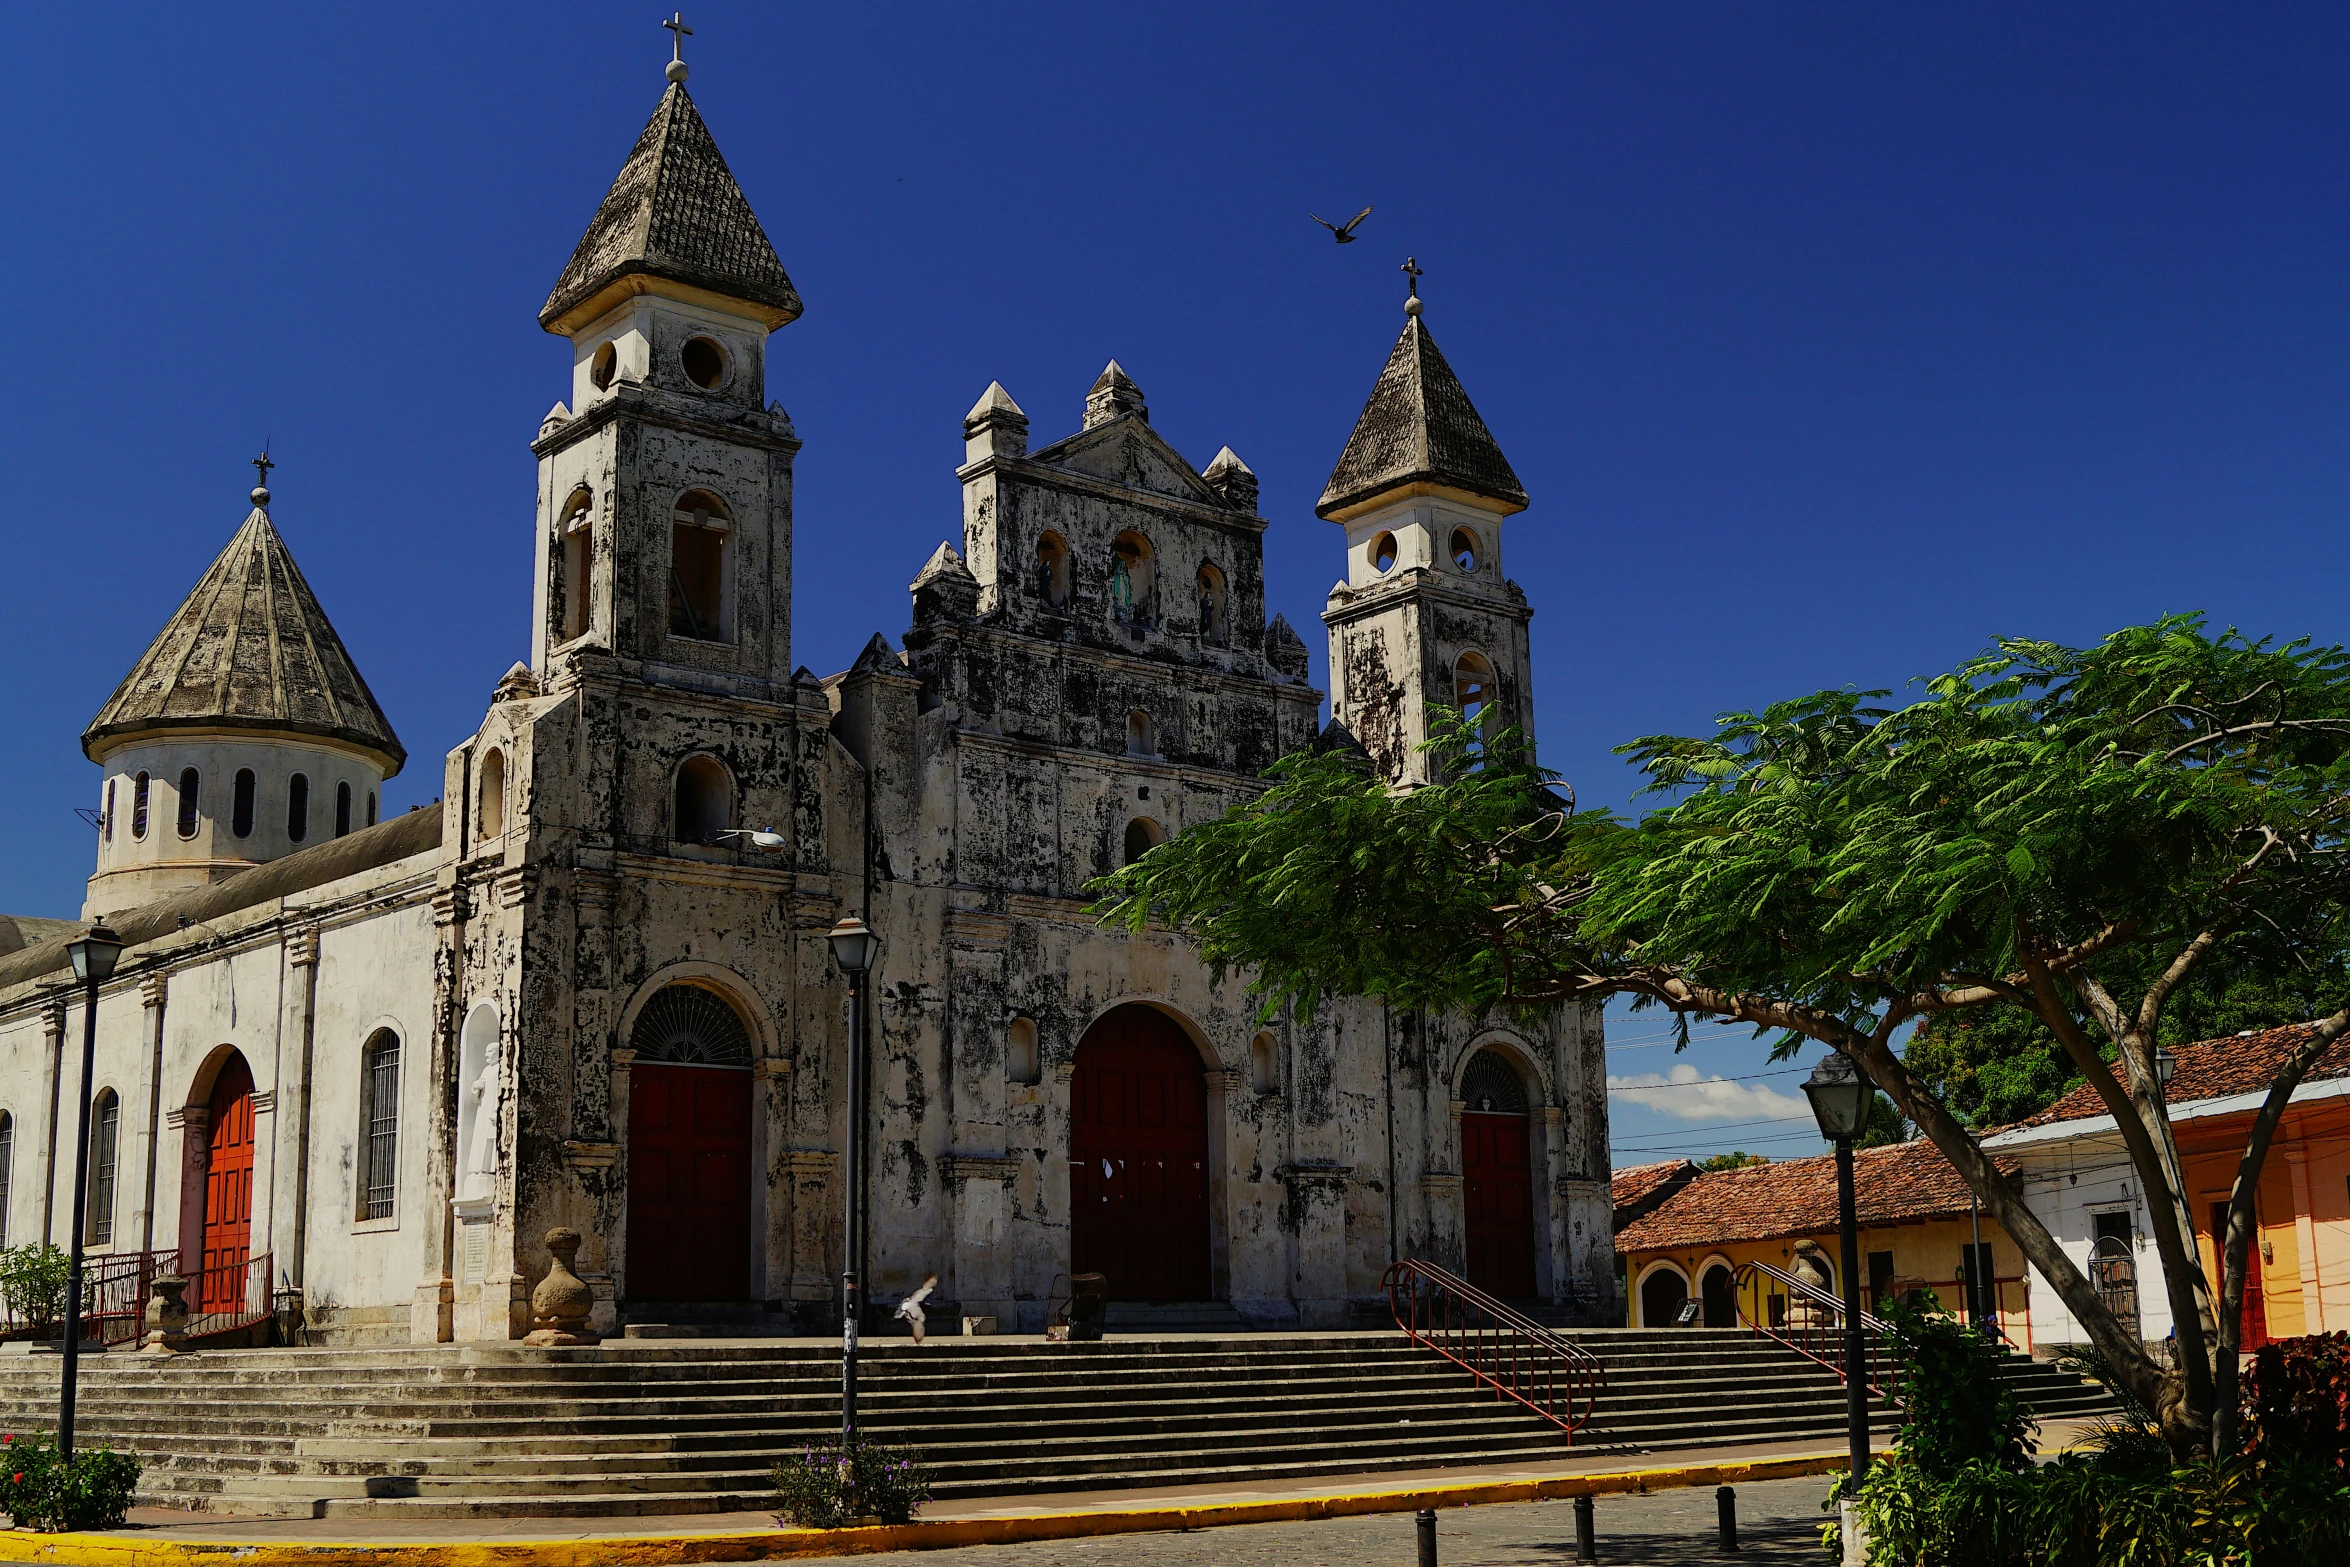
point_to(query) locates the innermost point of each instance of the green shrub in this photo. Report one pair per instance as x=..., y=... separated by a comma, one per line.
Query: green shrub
x=32, y=1287
x=2297, y=1400
x=39, y=1489
x=824, y=1486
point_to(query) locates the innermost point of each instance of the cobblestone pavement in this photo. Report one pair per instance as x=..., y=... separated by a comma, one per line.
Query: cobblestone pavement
x=1778, y=1522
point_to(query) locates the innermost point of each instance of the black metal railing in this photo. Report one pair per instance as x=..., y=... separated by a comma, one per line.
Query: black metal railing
x=1810, y=1320
x=1499, y=1345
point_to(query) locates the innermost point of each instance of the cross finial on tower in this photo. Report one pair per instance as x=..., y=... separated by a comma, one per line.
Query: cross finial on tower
x=678, y=34
x=1412, y=273
x=261, y=467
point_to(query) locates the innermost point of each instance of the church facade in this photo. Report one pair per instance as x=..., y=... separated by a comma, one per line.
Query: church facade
x=372, y=1062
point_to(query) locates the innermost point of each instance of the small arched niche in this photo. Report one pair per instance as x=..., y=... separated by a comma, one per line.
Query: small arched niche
x=1021, y=1065
x=1133, y=580
x=1142, y=836
x=1142, y=734
x=491, y=814
x=701, y=568
x=1052, y=569
x=1264, y=1063
x=1473, y=694
x=478, y=1082
x=1215, y=608
x=705, y=800
x=576, y=531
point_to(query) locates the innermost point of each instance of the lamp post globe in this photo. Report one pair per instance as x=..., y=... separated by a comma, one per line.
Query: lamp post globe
x=2166, y=1065
x=94, y=953
x=854, y=946
x=1839, y=1097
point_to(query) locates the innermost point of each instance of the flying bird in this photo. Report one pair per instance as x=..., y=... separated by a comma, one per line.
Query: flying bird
x=1346, y=235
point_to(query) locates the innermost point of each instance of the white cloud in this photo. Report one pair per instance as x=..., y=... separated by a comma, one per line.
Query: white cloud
x=1685, y=1096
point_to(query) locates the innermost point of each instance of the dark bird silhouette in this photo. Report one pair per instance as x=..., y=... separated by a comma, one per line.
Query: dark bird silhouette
x=1346, y=235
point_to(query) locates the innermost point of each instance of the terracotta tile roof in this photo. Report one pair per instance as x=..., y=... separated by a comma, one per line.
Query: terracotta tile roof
x=2217, y=1069
x=1902, y=1183
x=1630, y=1185
x=1419, y=427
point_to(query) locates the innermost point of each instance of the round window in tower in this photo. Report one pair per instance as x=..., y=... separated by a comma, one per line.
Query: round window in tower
x=602, y=367
x=705, y=363
x=1464, y=549
x=1383, y=552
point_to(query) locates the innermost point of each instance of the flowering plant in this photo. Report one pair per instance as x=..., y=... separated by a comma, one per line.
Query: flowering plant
x=827, y=1485
x=41, y=1489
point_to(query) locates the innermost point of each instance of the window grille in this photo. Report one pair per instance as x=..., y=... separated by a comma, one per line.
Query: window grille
x=689, y=1026
x=105, y=1124
x=383, y=1127
x=139, y=807
x=187, y=822
x=1490, y=1085
x=7, y=1165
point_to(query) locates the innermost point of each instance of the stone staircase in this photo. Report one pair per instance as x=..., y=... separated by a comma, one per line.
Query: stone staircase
x=694, y=1425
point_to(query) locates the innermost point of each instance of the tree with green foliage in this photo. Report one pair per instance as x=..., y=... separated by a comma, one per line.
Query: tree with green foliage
x=1835, y=870
x=1736, y=1159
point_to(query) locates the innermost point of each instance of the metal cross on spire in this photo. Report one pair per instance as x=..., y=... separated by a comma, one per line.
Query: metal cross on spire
x=1411, y=270
x=678, y=34
x=261, y=467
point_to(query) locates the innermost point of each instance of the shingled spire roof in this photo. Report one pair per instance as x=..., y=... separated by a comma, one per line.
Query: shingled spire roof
x=249, y=649
x=1419, y=428
x=675, y=212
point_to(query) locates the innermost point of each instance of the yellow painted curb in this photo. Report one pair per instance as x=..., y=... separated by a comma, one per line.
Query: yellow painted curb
x=130, y=1550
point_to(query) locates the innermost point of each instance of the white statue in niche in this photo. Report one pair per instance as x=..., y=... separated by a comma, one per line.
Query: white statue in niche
x=481, y=1150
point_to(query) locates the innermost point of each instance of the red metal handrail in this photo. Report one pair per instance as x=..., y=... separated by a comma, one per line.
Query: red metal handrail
x=1810, y=1321
x=117, y=1285
x=1500, y=1346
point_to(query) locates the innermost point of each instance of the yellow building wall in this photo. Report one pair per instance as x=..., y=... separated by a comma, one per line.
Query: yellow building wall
x=2303, y=1209
x=1925, y=1255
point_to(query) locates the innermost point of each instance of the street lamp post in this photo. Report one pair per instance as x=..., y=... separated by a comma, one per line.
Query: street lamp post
x=1840, y=1102
x=853, y=948
x=94, y=954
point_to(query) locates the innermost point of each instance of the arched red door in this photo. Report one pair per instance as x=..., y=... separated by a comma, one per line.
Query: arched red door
x=227, y=1242
x=1138, y=1159
x=1497, y=1172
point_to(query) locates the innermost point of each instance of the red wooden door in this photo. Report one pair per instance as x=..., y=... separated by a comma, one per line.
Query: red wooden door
x=689, y=1183
x=1499, y=1191
x=1138, y=1159
x=227, y=1243
x=2252, y=1326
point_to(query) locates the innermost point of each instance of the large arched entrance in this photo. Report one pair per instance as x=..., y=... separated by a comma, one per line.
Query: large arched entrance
x=225, y=1246
x=1138, y=1159
x=689, y=1149
x=1497, y=1178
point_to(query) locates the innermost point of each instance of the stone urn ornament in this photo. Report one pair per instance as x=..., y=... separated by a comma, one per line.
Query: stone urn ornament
x=559, y=1307
x=167, y=1317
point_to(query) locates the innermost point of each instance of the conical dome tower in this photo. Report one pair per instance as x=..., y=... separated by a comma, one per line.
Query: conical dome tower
x=243, y=733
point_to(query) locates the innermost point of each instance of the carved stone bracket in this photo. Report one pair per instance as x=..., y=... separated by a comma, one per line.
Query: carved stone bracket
x=770, y=1067
x=808, y=1161
x=512, y=885
x=153, y=988
x=264, y=1100
x=1441, y=1184
x=975, y=930
x=302, y=947
x=1052, y=911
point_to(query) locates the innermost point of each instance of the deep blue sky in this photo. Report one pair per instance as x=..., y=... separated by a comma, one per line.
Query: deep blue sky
x=1827, y=339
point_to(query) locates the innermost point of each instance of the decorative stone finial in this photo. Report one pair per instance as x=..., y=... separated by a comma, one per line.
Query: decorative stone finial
x=167, y=1317
x=261, y=467
x=1411, y=270
x=560, y=1306
x=1114, y=396
x=678, y=34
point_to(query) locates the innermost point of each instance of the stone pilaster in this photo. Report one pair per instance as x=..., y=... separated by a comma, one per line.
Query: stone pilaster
x=1317, y=1212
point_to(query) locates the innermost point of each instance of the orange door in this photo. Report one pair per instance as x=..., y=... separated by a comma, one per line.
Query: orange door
x=228, y=1191
x=2252, y=1326
x=1499, y=1194
x=1138, y=1159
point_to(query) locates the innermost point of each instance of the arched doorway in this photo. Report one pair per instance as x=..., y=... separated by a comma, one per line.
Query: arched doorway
x=226, y=1243
x=1719, y=1290
x=1497, y=1178
x=689, y=1149
x=1138, y=1159
x=1661, y=1296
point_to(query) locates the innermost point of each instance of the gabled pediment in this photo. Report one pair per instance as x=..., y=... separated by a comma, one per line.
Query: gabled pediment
x=1129, y=452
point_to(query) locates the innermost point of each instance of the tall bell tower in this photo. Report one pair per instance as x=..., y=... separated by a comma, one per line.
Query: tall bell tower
x=665, y=502
x=1424, y=615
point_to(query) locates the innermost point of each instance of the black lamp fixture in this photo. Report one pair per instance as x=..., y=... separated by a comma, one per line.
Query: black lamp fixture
x=2166, y=1065
x=854, y=947
x=94, y=954
x=1839, y=1097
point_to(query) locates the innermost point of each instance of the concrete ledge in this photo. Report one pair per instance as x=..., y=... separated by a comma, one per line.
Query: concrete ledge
x=129, y=1548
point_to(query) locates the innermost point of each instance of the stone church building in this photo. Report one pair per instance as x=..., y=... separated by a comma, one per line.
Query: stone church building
x=369, y=1063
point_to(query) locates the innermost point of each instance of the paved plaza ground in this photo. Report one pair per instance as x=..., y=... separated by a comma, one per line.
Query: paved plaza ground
x=1778, y=1521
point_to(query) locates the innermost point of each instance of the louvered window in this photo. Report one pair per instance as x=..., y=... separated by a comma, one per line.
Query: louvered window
x=7, y=1166
x=382, y=1069
x=105, y=1127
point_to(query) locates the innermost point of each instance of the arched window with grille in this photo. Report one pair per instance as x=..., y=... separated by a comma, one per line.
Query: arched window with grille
x=139, y=786
x=105, y=1140
x=379, y=1164
x=7, y=1168
x=690, y=1025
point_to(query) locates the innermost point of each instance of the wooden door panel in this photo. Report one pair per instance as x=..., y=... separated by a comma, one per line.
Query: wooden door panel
x=1138, y=1186
x=689, y=1195
x=1498, y=1199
